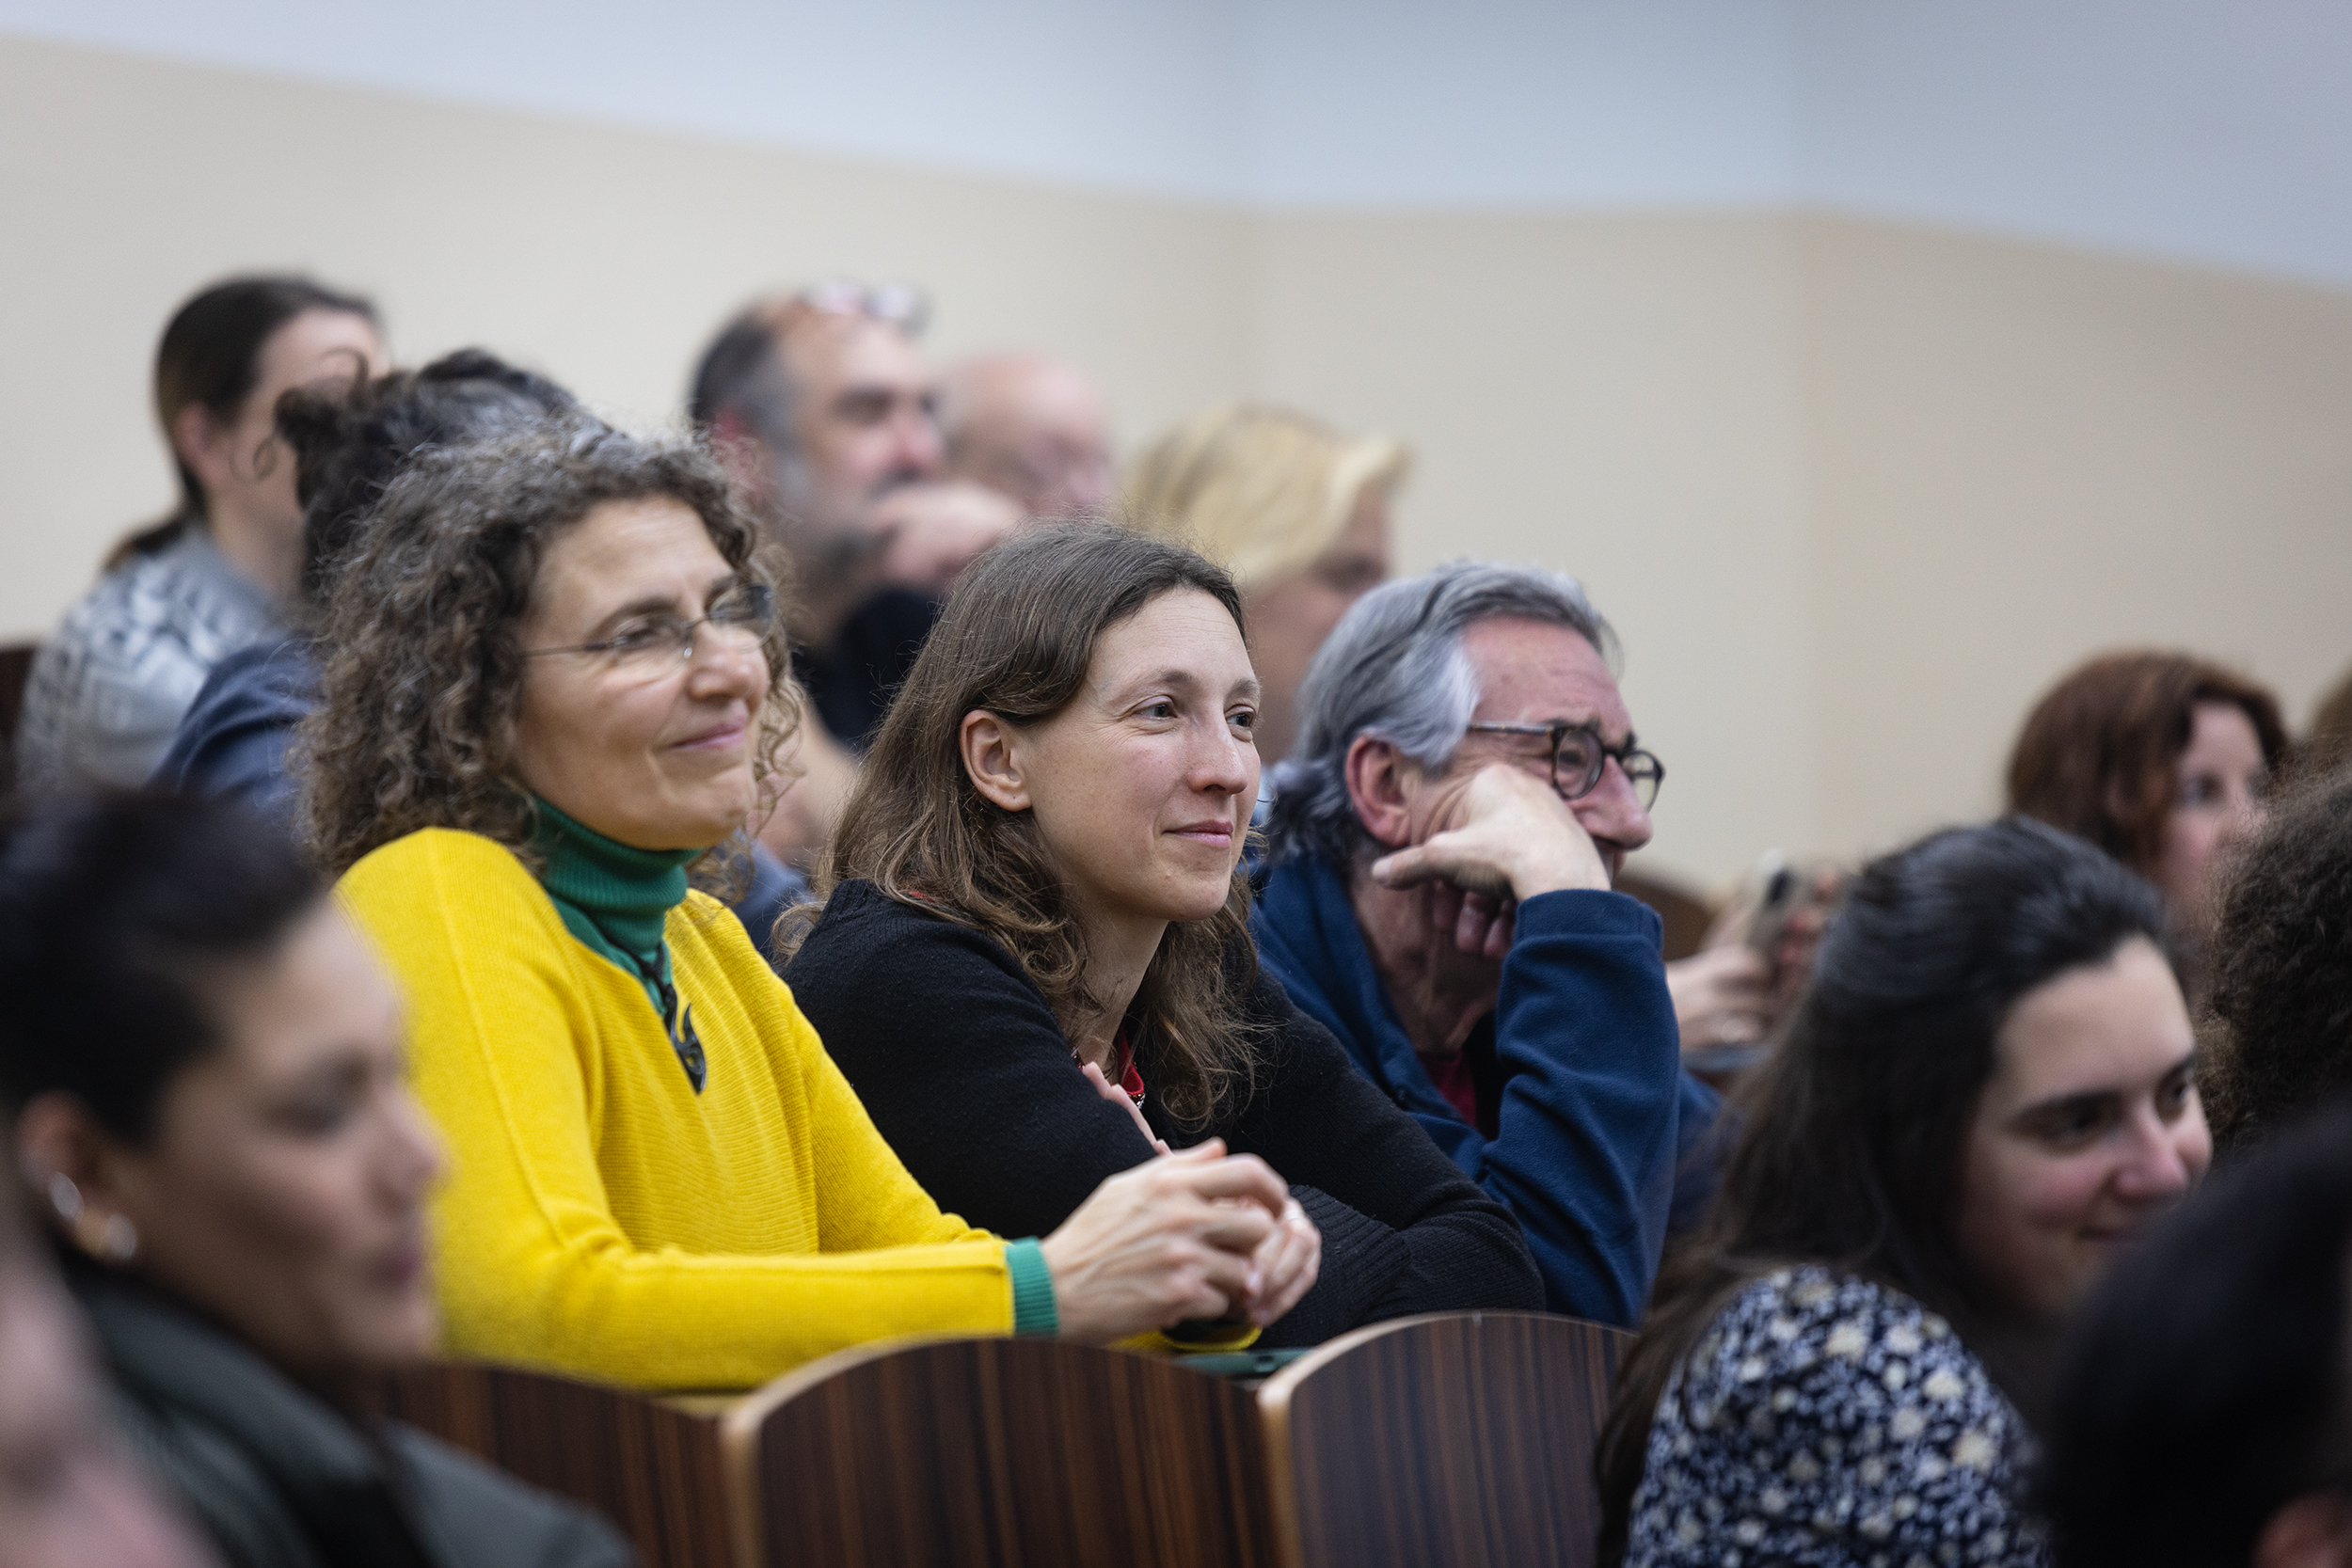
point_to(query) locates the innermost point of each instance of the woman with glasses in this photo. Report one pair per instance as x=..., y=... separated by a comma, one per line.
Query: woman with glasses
x=1035, y=964
x=555, y=690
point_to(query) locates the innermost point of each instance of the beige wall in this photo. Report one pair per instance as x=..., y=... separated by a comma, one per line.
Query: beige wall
x=1852, y=493
x=604, y=256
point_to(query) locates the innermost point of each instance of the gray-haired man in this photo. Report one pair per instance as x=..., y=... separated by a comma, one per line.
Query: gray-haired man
x=1465, y=788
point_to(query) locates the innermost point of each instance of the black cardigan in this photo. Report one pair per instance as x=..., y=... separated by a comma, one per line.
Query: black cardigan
x=969, y=1077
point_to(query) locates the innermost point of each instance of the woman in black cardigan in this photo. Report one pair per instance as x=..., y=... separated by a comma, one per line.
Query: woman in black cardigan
x=1035, y=959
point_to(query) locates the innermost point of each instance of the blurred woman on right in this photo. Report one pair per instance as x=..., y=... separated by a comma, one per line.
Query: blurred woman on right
x=2161, y=759
x=1985, y=1091
x=1297, y=512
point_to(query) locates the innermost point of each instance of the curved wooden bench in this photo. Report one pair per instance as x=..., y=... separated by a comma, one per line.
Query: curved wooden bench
x=1452, y=1439
x=916, y=1453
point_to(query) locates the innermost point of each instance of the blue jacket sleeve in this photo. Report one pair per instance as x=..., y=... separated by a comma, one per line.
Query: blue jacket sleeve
x=1586, y=1143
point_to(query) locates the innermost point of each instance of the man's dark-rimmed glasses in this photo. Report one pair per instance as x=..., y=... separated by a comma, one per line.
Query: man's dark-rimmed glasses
x=1580, y=756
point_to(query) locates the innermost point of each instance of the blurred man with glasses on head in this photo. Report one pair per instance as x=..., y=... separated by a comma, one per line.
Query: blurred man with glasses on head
x=823, y=408
x=1443, y=840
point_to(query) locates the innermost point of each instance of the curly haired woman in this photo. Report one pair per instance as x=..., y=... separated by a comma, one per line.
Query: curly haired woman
x=557, y=683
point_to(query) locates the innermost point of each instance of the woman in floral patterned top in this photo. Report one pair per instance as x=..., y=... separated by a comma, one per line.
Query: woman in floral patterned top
x=1986, y=1090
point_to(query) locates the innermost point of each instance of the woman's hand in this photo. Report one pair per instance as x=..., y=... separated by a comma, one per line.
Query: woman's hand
x=1720, y=996
x=1174, y=1239
x=1287, y=1264
x=1119, y=1097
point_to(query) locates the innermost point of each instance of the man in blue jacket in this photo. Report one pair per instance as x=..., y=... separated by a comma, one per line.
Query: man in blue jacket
x=1437, y=894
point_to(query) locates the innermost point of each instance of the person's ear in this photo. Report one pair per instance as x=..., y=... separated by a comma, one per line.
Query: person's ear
x=70, y=1164
x=743, y=454
x=2313, y=1531
x=991, y=759
x=1381, y=785
x=201, y=443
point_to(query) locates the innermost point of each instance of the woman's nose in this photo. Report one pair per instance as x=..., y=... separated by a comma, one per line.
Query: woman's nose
x=2159, y=1165
x=1223, y=762
x=721, y=665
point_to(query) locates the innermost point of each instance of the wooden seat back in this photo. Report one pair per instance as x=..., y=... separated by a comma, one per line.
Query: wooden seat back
x=1457, y=1439
x=1023, y=1453
x=647, y=1464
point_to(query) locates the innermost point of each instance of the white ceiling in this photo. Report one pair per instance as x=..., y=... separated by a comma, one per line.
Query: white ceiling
x=2212, y=131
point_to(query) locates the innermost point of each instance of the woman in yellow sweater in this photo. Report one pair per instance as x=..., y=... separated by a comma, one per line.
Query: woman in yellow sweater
x=555, y=682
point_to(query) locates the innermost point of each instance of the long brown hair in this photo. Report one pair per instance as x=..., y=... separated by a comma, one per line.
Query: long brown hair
x=1854, y=1133
x=2099, y=753
x=424, y=672
x=1017, y=639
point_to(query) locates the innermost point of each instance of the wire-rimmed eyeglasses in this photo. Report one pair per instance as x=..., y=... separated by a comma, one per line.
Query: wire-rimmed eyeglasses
x=649, y=644
x=1580, y=756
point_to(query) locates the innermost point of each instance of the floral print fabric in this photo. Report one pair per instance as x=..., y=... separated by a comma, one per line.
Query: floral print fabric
x=1822, y=1419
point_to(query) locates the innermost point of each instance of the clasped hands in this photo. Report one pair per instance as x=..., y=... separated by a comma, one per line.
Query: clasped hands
x=1195, y=1233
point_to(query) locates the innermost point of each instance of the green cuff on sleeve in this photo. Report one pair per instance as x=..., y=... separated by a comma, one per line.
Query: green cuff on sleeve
x=1033, y=1310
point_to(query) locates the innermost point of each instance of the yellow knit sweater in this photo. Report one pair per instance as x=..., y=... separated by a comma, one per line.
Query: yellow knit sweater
x=601, y=1217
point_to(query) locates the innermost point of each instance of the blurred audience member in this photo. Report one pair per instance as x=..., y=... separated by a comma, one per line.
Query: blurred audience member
x=2203, y=1409
x=209, y=1061
x=68, y=1496
x=555, y=683
x=827, y=416
x=347, y=446
x=2281, y=1007
x=1985, y=1092
x=1465, y=788
x=1297, y=512
x=1035, y=968
x=2160, y=759
x=2329, y=746
x=107, y=690
x=1033, y=427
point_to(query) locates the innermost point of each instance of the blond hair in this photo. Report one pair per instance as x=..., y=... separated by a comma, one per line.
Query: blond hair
x=1261, y=491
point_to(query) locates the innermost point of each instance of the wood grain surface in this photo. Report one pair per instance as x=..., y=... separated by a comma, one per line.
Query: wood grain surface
x=654, y=1470
x=1458, y=1439
x=957, y=1452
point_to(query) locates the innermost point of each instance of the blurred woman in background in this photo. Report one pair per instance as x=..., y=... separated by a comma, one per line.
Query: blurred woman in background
x=209, y=1062
x=2161, y=759
x=1986, y=1090
x=108, y=688
x=556, y=682
x=1297, y=512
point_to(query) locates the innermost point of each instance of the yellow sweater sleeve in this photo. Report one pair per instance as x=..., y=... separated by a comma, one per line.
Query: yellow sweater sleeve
x=601, y=1219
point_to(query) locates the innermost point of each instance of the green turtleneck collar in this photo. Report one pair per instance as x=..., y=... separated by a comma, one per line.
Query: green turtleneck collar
x=615, y=899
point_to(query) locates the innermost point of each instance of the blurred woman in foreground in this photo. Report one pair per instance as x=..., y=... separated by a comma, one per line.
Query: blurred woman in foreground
x=556, y=684
x=209, y=1061
x=1986, y=1091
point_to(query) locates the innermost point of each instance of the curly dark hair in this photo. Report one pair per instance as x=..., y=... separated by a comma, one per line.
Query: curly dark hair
x=2098, y=754
x=1017, y=639
x=414, y=727
x=2278, y=1025
x=348, y=442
